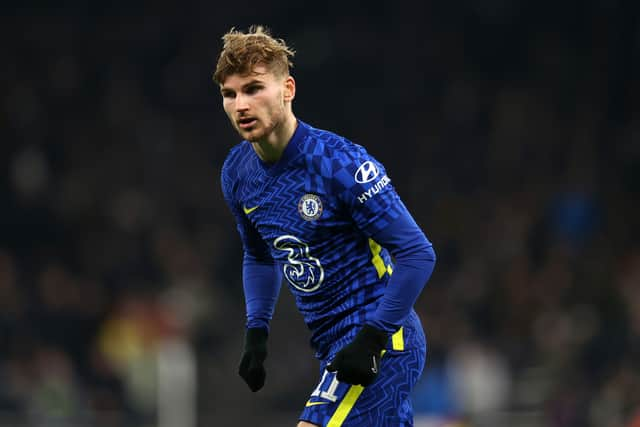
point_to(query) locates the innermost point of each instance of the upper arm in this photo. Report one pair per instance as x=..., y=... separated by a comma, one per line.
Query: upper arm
x=363, y=186
x=405, y=239
x=252, y=242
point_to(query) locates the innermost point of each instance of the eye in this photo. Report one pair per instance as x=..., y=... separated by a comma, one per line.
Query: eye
x=228, y=94
x=253, y=89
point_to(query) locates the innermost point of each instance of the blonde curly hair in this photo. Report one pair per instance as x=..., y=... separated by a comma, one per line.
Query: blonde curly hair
x=243, y=51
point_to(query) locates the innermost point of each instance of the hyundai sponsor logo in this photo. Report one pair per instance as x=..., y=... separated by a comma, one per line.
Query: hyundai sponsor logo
x=367, y=172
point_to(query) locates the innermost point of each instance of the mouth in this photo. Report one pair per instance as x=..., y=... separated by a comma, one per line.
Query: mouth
x=246, y=122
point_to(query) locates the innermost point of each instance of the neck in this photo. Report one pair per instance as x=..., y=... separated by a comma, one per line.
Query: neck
x=271, y=148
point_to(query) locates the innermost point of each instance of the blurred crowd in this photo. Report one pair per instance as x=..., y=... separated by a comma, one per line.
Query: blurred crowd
x=510, y=129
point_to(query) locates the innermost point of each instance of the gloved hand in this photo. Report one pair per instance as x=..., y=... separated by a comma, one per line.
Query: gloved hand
x=251, y=367
x=359, y=361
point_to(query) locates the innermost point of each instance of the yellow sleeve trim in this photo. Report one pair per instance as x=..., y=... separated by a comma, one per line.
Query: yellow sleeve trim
x=345, y=406
x=376, y=259
x=397, y=340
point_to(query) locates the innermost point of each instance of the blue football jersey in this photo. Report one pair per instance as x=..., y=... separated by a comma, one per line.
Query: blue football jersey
x=313, y=213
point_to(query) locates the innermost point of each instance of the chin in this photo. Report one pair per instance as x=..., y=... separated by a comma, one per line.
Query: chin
x=253, y=135
x=250, y=135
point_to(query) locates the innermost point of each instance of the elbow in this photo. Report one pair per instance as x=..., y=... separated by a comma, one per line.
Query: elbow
x=257, y=259
x=428, y=255
x=431, y=253
x=428, y=260
x=421, y=251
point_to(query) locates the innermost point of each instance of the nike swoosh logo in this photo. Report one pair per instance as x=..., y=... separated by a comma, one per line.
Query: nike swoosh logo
x=315, y=403
x=247, y=210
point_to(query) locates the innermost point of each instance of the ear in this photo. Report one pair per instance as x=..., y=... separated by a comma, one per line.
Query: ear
x=289, y=89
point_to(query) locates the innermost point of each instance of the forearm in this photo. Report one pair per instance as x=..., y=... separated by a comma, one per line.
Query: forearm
x=261, y=282
x=409, y=278
x=415, y=261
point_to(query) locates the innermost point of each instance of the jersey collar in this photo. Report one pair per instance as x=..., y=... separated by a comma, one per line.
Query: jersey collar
x=291, y=151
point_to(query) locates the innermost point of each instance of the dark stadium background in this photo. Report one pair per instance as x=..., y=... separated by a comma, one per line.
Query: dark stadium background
x=511, y=129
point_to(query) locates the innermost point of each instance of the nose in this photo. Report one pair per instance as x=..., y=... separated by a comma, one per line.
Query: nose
x=242, y=103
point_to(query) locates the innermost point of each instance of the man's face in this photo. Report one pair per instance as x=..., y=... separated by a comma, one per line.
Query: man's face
x=255, y=103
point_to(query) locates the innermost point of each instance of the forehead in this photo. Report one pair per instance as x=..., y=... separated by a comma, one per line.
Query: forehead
x=259, y=73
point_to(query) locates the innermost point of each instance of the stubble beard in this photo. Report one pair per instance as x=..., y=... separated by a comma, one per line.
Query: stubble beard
x=264, y=130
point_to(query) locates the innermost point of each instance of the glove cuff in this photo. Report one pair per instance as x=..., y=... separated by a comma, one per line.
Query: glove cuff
x=255, y=339
x=373, y=338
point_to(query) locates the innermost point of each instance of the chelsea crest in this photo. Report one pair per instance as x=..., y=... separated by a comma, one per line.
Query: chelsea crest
x=310, y=207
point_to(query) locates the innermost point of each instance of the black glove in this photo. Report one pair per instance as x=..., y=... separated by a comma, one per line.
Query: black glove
x=251, y=367
x=359, y=361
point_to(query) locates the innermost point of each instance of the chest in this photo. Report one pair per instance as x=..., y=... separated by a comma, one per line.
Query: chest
x=294, y=203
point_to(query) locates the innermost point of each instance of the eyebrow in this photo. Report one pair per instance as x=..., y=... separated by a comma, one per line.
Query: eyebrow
x=249, y=83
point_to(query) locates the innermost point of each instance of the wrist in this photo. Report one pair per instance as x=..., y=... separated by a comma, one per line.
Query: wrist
x=375, y=338
x=255, y=339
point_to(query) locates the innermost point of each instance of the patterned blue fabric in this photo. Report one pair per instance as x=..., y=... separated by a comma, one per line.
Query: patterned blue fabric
x=384, y=403
x=312, y=214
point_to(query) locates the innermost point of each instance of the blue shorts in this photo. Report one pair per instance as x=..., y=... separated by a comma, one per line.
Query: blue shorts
x=384, y=403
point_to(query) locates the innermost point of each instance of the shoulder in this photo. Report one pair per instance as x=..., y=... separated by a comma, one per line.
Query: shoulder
x=332, y=147
x=238, y=156
x=234, y=164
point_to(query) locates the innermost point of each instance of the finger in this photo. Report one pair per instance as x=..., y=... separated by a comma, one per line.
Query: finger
x=244, y=364
x=344, y=377
x=334, y=365
x=255, y=378
x=258, y=375
x=367, y=380
x=257, y=383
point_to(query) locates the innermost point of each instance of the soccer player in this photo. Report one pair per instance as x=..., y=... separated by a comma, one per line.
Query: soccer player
x=317, y=211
